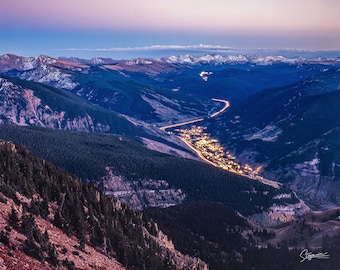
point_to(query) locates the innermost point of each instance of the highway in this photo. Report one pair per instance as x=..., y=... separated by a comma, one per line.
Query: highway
x=226, y=106
x=183, y=123
x=217, y=162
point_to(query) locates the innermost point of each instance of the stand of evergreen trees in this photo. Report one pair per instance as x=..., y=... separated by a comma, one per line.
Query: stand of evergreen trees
x=87, y=155
x=83, y=210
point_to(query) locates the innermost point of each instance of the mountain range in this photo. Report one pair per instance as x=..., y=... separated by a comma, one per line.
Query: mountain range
x=101, y=120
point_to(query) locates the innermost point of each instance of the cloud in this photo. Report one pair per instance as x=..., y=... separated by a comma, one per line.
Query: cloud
x=158, y=51
x=200, y=47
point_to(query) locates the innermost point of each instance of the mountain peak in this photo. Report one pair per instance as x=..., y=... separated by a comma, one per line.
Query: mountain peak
x=46, y=59
x=230, y=59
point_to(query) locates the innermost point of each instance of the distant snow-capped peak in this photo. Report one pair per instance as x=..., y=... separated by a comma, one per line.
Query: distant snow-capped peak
x=10, y=61
x=139, y=61
x=237, y=59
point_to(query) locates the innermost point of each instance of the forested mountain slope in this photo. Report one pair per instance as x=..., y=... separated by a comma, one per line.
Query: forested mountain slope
x=44, y=194
x=93, y=156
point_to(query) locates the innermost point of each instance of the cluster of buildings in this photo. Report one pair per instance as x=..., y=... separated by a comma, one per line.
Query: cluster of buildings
x=211, y=151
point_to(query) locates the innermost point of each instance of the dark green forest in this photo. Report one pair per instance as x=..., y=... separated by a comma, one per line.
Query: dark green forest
x=87, y=154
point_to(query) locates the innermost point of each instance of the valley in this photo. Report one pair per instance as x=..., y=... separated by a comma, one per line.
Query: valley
x=210, y=151
x=225, y=185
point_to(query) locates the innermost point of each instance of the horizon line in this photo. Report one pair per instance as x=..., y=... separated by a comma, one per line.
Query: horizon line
x=199, y=47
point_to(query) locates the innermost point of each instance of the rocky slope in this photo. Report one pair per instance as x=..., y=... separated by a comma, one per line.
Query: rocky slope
x=33, y=104
x=12, y=250
x=55, y=219
x=43, y=69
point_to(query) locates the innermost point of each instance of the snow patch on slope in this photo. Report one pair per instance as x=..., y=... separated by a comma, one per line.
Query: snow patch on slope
x=309, y=167
x=51, y=76
x=162, y=110
x=269, y=133
x=163, y=148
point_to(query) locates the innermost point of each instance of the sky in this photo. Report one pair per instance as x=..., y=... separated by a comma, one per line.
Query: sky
x=109, y=28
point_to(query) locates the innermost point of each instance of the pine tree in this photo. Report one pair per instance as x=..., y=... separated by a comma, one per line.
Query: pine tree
x=4, y=237
x=27, y=223
x=57, y=221
x=32, y=248
x=53, y=255
x=13, y=218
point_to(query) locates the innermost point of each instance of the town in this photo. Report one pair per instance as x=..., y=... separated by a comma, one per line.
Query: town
x=212, y=152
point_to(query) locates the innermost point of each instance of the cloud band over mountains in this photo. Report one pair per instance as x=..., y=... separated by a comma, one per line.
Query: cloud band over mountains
x=200, y=47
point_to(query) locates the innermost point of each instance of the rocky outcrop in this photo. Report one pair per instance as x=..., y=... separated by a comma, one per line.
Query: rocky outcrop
x=22, y=107
x=43, y=69
x=319, y=191
x=50, y=75
x=143, y=193
x=180, y=260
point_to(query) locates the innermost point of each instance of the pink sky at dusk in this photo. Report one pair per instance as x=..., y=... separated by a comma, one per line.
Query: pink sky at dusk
x=316, y=16
x=295, y=23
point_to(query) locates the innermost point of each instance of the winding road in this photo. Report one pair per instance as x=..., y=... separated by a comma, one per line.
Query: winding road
x=226, y=106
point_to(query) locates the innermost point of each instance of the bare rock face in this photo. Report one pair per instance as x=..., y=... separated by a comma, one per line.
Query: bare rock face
x=314, y=181
x=43, y=69
x=50, y=75
x=143, y=193
x=22, y=107
x=180, y=260
x=319, y=191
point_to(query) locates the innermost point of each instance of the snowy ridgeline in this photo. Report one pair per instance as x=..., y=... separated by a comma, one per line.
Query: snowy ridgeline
x=238, y=59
